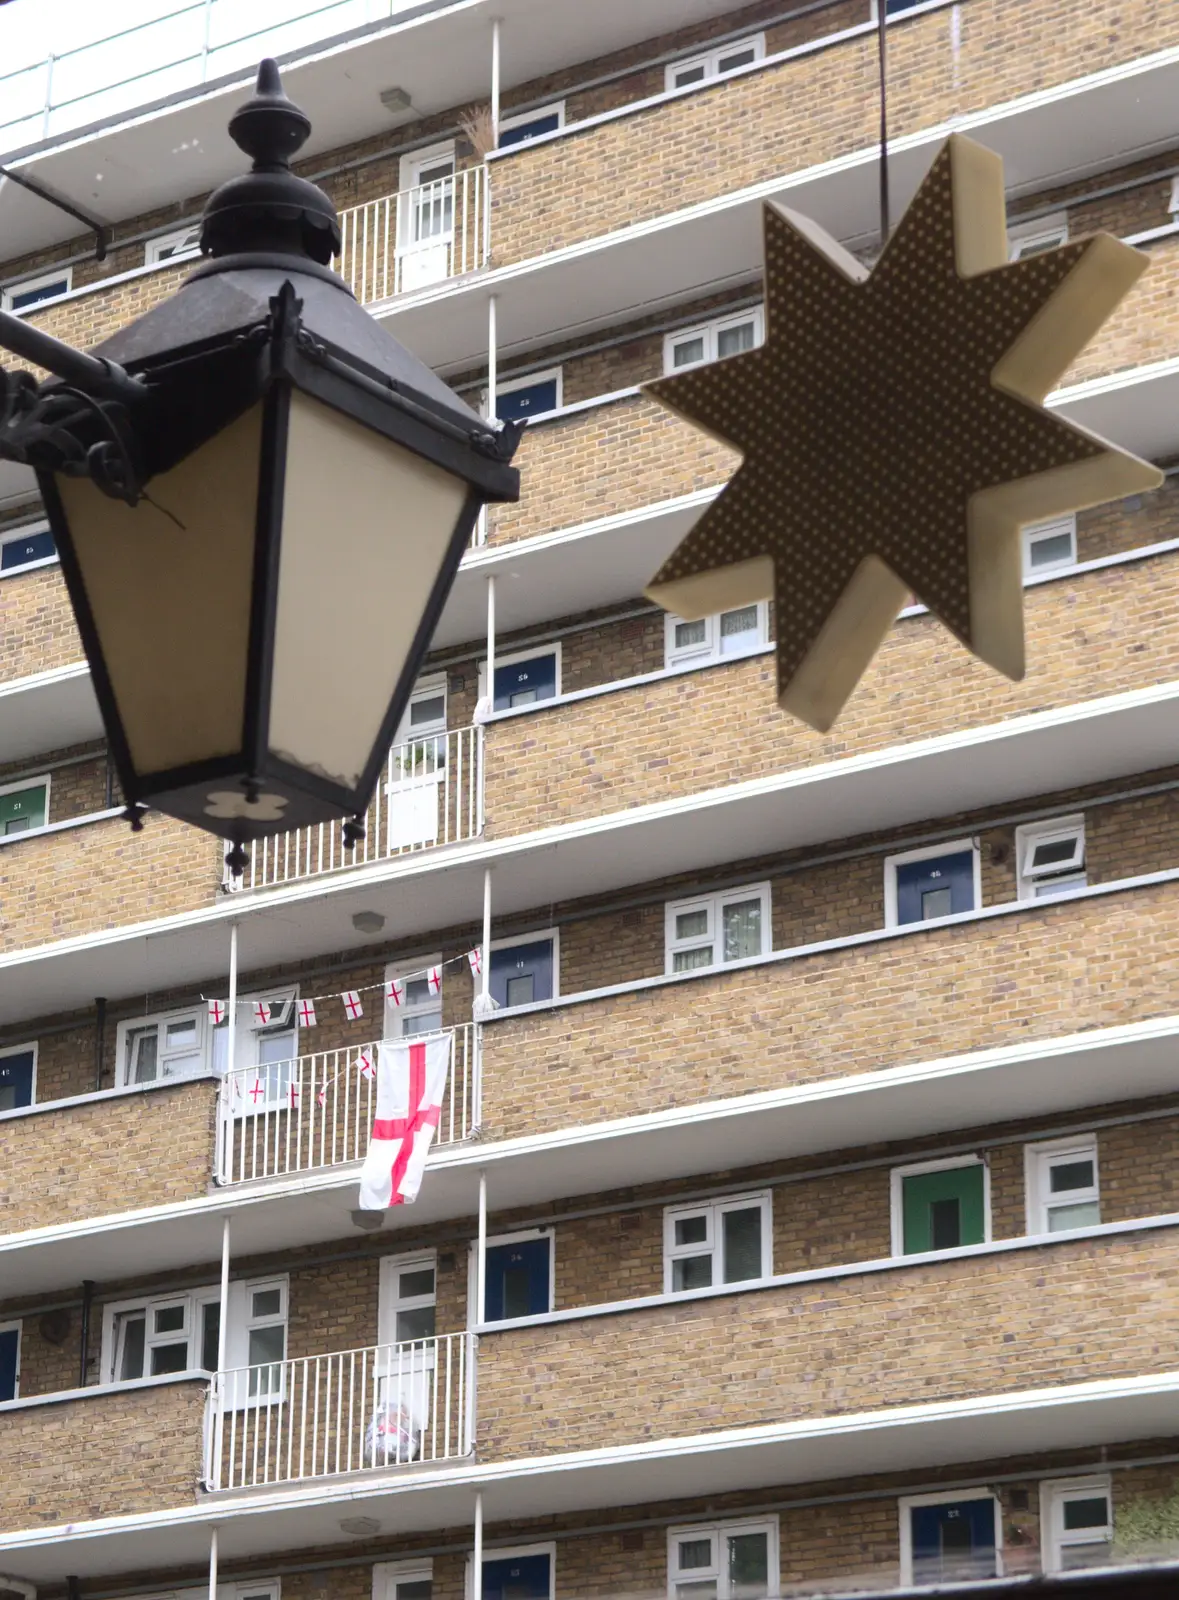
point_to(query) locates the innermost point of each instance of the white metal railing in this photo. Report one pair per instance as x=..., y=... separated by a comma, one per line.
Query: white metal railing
x=431, y=793
x=317, y=1110
x=384, y=1406
x=420, y=236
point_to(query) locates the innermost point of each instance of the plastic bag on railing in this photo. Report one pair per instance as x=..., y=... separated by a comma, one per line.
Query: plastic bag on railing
x=391, y=1436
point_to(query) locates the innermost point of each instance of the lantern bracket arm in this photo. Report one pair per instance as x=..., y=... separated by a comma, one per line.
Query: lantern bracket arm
x=94, y=375
x=56, y=427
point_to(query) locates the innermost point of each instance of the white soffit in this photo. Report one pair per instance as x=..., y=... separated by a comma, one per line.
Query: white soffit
x=1001, y=762
x=49, y=711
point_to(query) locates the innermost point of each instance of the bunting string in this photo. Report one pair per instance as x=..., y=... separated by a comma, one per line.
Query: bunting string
x=393, y=990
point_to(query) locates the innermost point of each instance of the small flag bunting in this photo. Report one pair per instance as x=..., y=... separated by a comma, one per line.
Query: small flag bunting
x=261, y=1013
x=365, y=1062
x=307, y=1013
x=294, y=1095
x=352, y=1005
x=218, y=1010
x=434, y=975
x=395, y=991
x=257, y=1091
x=475, y=958
x=321, y=1097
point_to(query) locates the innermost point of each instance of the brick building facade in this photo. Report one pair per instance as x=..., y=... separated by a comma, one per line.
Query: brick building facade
x=819, y=1164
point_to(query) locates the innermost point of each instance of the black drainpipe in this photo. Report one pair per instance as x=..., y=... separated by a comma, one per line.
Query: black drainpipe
x=84, y=1337
x=99, y=1039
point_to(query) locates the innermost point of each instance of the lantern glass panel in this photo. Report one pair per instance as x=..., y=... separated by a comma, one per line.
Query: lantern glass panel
x=170, y=599
x=366, y=527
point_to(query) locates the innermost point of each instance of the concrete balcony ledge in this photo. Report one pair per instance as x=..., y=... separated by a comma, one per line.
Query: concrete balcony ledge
x=101, y=1096
x=96, y=1392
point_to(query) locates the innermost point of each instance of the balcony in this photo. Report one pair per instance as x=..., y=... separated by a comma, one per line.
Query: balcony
x=689, y=733
x=1004, y=977
x=431, y=794
x=417, y=237
x=102, y=1452
x=317, y=1111
x=834, y=1345
x=320, y=1416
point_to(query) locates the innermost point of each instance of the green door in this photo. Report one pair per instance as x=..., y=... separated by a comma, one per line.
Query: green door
x=22, y=809
x=942, y=1210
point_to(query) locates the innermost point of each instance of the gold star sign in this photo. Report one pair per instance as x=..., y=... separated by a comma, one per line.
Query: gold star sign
x=893, y=436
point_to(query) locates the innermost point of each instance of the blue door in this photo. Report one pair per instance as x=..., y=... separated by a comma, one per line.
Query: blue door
x=535, y=126
x=953, y=1542
x=16, y=1080
x=529, y=400
x=522, y=973
x=9, y=1362
x=935, y=887
x=518, y=1281
x=522, y=683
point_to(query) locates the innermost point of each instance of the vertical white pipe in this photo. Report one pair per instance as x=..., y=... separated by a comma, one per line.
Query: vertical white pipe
x=477, y=1554
x=213, y=1563
x=495, y=25
x=223, y=1324
x=481, y=1252
x=486, y=939
x=490, y=645
x=492, y=353
x=231, y=1037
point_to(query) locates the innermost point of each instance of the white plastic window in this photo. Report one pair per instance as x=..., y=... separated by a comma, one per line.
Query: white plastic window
x=1050, y=857
x=1077, y=1518
x=175, y=246
x=710, y=341
x=1033, y=238
x=726, y=1242
x=1050, y=546
x=409, y=1295
x=719, y=637
x=715, y=63
x=729, y=1561
x=266, y=1335
x=710, y=930
x=169, y=1333
x=37, y=291
x=265, y=1051
x=403, y=1580
x=1063, y=1185
x=168, y=1046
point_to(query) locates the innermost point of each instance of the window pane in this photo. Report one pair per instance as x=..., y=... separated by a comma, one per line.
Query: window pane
x=691, y=1230
x=520, y=990
x=688, y=350
x=736, y=58
x=413, y=1589
x=694, y=1553
x=423, y=1022
x=266, y=1345
x=169, y=1358
x=1085, y=1214
x=417, y=991
x=134, y=1338
x=686, y=75
x=696, y=1591
x=419, y=1281
x=1054, y=852
x=691, y=633
x=738, y=629
x=17, y=825
x=692, y=924
x=276, y=1047
x=742, y=1240
x=266, y=1303
x=749, y=1569
x=731, y=341
x=1088, y=1513
x=1052, y=550
x=945, y=1223
x=422, y=712
x=741, y=925
x=693, y=1273
x=1071, y=1175
x=417, y=1323
x=936, y=903
x=178, y=1034
x=691, y=960
x=169, y=1319
x=210, y=1331
x=1097, y=1554
x=141, y=1055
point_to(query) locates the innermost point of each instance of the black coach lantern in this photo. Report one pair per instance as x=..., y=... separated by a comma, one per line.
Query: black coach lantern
x=260, y=500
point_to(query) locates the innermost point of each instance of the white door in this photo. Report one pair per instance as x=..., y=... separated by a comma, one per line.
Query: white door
x=425, y=222
x=418, y=770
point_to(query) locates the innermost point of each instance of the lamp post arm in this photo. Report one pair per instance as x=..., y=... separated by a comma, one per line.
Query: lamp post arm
x=104, y=379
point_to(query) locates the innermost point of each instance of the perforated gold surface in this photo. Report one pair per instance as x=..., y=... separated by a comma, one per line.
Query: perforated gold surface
x=872, y=425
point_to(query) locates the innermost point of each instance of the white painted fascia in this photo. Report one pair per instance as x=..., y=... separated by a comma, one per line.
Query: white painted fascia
x=44, y=680
x=422, y=865
x=230, y=1506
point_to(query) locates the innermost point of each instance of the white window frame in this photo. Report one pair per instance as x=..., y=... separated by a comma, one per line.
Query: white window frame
x=428, y=688
x=159, y=1021
x=710, y=332
x=1053, y=1495
x=907, y=1503
x=1036, y=531
x=896, y=1202
x=929, y=852
x=389, y=1303
x=17, y=1326
x=43, y=782
x=710, y=60
x=534, y=938
x=153, y=250
x=251, y=1324
x=522, y=118
x=715, y=1531
x=395, y=1016
x=23, y=1050
x=12, y=535
x=1072, y=875
x=713, y=1211
x=1042, y=232
x=512, y=384
x=520, y=1236
x=714, y=904
x=523, y=655
x=545, y=1548
x=246, y=1038
x=43, y=280
x=388, y=1574
x=1039, y=1159
x=1173, y=202
x=414, y=162
x=195, y=1302
x=709, y=652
